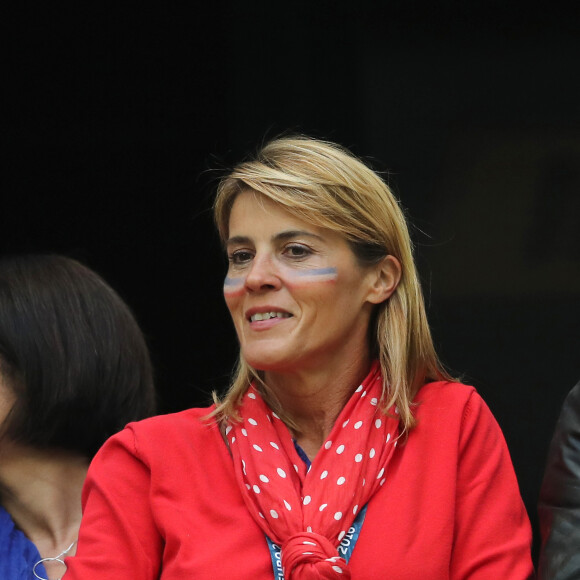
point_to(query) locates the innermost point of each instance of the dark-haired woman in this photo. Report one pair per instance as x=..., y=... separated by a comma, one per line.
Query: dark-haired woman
x=74, y=369
x=559, y=503
x=342, y=449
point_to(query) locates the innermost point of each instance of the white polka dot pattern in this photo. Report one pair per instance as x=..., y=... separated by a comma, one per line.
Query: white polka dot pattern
x=287, y=500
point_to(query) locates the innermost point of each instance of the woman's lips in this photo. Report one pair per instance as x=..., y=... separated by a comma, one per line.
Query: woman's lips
x=268, y=314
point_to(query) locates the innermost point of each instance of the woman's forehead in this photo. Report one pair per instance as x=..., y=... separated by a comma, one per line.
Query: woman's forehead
x=255, y=216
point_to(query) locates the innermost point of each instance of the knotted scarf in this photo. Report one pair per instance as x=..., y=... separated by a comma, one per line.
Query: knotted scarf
x=308, y=511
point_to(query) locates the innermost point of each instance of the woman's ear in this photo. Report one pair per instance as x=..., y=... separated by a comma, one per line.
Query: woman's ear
x=387, y=275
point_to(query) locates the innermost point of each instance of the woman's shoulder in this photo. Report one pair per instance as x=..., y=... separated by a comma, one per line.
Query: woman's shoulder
x=187, y=422
x=17, y=553
x=6, y=523
x=166, y=433
x=452, y=402
x=451, y=418
x=193, y=418
x=448, y=393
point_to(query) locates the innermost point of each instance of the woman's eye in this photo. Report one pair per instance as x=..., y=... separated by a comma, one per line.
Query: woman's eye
x=297, y=251
x=240, y=257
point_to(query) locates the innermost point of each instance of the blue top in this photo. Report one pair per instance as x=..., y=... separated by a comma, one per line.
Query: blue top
x=302, y=454
x=17, y=553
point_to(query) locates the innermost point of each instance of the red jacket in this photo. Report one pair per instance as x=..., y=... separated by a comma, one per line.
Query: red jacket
x=161, y=501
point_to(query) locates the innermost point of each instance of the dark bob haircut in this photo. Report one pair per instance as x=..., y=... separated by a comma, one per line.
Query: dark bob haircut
x=72, y=353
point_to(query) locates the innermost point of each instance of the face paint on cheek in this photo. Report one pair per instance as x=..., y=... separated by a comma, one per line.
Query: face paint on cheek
x=234, y=286
x=312, y=276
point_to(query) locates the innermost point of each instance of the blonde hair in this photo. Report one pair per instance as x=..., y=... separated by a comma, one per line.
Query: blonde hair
x=325, y=185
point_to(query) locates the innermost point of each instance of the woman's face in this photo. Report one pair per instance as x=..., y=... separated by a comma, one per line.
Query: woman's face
x=297, y=295
x=7, y=399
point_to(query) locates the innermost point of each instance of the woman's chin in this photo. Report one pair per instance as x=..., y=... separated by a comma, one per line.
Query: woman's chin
x=269, y=362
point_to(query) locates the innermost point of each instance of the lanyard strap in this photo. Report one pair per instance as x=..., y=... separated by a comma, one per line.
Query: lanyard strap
x=344, y=549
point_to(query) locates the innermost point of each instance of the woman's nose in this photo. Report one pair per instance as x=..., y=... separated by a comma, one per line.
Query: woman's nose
x=262, y=275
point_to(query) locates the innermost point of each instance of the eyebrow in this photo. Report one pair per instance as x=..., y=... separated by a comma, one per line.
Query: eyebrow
x=280, y=237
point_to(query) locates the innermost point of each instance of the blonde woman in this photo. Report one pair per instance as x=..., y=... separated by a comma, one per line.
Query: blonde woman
x=342, y=449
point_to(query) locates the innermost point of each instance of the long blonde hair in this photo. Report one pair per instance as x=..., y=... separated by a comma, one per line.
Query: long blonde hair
x=325, y=185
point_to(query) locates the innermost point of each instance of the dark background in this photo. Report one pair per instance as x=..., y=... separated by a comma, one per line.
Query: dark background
x=120, y=119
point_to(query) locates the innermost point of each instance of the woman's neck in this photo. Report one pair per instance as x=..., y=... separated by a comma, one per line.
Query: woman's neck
x=312, y=400
x=41, y=490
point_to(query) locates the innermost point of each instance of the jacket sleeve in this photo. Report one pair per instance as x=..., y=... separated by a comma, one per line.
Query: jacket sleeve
x=118, y=537
x=492, y=528
x=559, y=505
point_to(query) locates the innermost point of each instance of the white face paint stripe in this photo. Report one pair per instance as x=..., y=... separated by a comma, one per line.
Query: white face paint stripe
x=318, y=274
x=314, y=274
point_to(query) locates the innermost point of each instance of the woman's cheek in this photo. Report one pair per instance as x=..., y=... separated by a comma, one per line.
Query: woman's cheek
x=310, y=277
x=234, y=287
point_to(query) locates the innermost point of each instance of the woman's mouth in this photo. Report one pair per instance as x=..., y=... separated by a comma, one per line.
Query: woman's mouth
x=268, y=315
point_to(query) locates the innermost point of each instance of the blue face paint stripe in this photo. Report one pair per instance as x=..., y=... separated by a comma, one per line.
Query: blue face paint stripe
x=316, y=272
x=233, y=281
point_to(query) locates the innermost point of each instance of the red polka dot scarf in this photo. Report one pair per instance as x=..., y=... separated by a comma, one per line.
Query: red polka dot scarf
x=308, y=511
